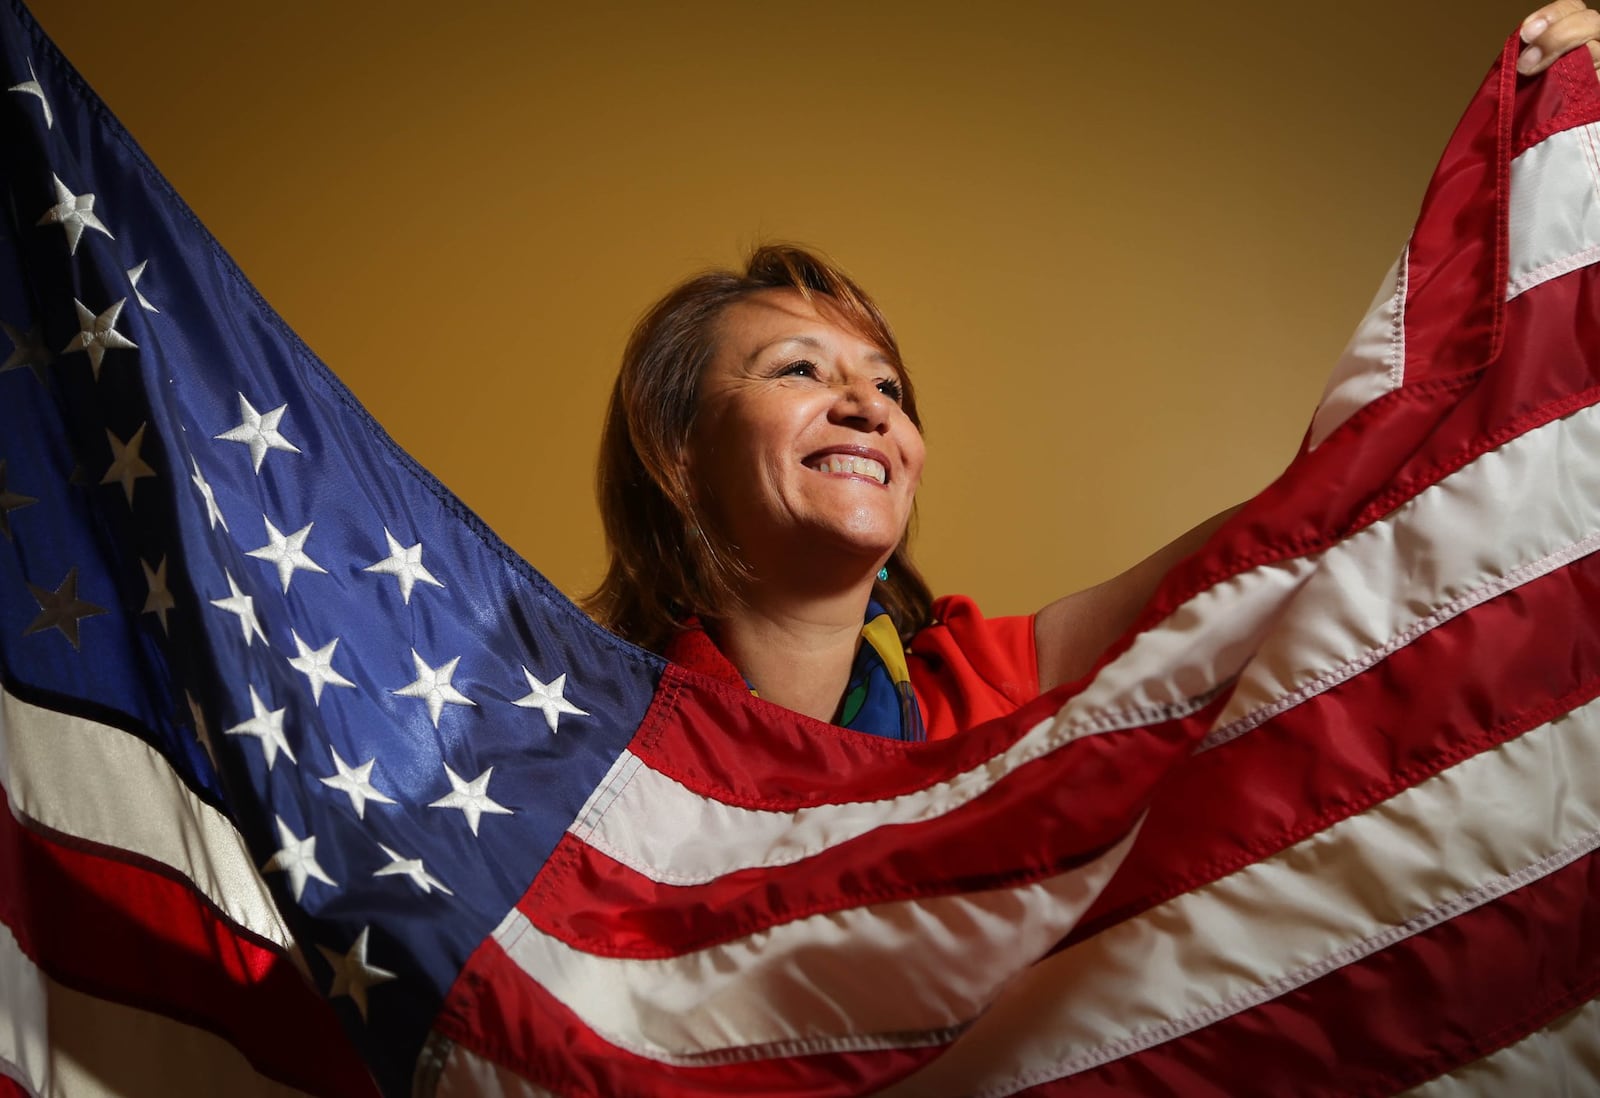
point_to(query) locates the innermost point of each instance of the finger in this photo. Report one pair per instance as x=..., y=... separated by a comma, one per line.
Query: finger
x=1559, y=38
x=1534, y=25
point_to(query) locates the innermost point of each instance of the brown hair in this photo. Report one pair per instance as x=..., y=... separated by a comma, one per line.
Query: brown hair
x=665, y=561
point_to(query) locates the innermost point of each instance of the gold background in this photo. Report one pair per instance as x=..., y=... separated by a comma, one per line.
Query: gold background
x=1122, y=245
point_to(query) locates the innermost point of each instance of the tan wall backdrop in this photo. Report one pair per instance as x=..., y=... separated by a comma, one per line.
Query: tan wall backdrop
x=1122, y=244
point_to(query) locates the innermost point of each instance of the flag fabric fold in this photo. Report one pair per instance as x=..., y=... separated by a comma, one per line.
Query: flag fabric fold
x=313, y=785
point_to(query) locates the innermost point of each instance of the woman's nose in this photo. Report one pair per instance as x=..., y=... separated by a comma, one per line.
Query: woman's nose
x=861, y=404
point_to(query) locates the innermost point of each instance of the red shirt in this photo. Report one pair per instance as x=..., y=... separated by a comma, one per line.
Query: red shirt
x=965, y=668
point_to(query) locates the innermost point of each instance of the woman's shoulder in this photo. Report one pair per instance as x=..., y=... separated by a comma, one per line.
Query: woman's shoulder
x=967, y=668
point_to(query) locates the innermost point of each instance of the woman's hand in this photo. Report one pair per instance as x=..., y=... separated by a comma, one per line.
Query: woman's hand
x=1557, y=29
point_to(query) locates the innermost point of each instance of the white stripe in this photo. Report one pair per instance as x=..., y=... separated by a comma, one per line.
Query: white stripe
x=1562, y=1060
x=1489, y=825
x=1555, y=208
x=62, y=1043
x=886, y=975
x=1373, y=362
x=92, y=781
x=1292, y=629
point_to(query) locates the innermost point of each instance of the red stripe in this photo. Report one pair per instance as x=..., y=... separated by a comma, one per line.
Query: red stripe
x=1426, y=1005
x=9, y=1088
x=1484, y=677
x=496, y=1011
x=131, y=934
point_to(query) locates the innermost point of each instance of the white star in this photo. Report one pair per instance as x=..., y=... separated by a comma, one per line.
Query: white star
x=259, y=431
x=267, y=726
x=404, y=565
x=355, y=782
x=74, y=213
x=352, y=975
x=31, y=87
x=287, y=551
x=472, y=798
x=202, y=731
x=98, y=334
x=62, y=608
x=10, y=501
x=548, y=697
x=159, y=600
x=413, y=868
x=134, y=274
x=297, y=858
x=242, y=604
x=317, y=665
x=213, y=512
x=27, y=349
x=433, y=683
x=126, y=464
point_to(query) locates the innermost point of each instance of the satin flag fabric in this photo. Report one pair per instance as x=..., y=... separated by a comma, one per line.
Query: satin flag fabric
x=312, y=785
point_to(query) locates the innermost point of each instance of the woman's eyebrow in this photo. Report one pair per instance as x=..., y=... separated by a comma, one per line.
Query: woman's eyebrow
x=804, y=340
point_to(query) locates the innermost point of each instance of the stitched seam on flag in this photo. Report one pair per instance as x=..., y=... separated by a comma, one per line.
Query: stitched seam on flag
x=1397, y=326
x=475, y=1038
x=605, y=795
x=1178, y=1027
x=1507, y=728
x=1554, y=269
x=1515, y=578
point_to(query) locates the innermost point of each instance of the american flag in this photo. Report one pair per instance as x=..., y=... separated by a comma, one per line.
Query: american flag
x=313, y=785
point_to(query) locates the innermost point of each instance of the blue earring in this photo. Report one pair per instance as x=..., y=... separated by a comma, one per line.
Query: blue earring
x=883, y=574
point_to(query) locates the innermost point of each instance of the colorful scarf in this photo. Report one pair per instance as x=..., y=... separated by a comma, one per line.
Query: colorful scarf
x=878, y=699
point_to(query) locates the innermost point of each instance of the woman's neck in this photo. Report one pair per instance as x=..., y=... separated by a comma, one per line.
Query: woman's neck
x=796, y=655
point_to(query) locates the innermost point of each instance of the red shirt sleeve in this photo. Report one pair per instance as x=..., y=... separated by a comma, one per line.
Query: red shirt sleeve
x=966, y=668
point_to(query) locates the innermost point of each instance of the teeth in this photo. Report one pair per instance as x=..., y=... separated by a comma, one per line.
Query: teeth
x=847, y=463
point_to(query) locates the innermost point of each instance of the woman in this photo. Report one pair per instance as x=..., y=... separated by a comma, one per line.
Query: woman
x=758, y=475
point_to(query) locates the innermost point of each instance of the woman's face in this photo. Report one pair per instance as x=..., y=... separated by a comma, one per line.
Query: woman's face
x=800, y=447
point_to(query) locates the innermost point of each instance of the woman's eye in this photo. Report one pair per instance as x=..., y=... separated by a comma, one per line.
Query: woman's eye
x=801, y=368
x=892, y=389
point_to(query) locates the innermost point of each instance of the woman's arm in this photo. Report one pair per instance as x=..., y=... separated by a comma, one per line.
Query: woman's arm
x=1071, y=632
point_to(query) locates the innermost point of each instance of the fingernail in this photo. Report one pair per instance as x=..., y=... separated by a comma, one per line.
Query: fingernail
x=1534, y=28
x=1529, y=60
